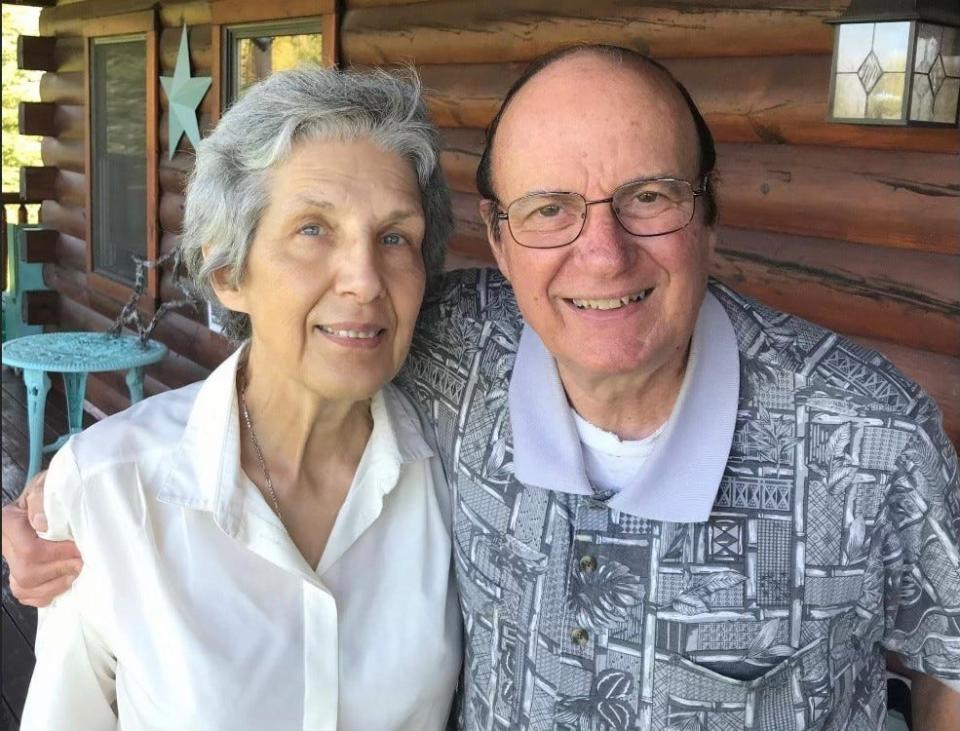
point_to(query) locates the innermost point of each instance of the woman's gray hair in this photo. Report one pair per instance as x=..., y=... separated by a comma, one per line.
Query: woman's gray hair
x=227, y=192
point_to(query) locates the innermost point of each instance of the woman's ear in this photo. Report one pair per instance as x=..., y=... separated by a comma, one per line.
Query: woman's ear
x=230, y=296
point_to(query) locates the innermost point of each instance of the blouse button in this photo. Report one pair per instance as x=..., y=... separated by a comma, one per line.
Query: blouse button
x=580, y=637
x=588, y=564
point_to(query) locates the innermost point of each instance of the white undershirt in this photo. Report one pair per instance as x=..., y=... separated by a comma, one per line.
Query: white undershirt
x=611, y=462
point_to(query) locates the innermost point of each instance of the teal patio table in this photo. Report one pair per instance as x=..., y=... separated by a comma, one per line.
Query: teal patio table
x=74, y=354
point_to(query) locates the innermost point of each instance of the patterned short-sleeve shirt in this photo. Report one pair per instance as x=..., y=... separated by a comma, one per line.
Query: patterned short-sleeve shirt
x=833, y=538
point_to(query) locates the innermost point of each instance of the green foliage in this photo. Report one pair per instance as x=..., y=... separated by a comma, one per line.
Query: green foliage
x=17, y=86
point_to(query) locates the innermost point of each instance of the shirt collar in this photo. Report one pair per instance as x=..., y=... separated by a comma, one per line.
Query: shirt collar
x=205, y=472
x=680, y=479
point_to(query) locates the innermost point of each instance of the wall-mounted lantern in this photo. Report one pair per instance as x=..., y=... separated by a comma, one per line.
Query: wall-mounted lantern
x=896, y=62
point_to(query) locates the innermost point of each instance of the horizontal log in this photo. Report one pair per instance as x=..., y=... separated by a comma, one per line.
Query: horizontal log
x=170, y=213
x=39, y=307
x=520, y=30
x=169, y=242
x=63, y=88
x=773, y=100
x=39, y=183
x=908, y=200
x=67, y=220
x=173, y=173
x=70, y=53
x=201, y=49
x=65, y=154
x=939, y=375
x=36, y=53
x=247, y=11
x=837, y=5
x=39, y=245
x=72, y=188
x=68, y=18
x=71, y=253
x=887, y=294
x=36, y=118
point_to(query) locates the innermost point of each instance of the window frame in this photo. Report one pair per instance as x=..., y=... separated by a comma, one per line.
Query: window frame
x=236, y=32
x=128, y=26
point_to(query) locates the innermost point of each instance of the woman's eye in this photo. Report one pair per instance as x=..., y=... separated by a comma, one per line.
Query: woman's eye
x=312, y=229
x=394, y=239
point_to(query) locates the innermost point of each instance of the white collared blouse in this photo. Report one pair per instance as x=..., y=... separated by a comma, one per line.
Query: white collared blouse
x=195, y=610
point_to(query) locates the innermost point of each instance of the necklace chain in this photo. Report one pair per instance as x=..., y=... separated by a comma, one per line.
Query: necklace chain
x=256, y=443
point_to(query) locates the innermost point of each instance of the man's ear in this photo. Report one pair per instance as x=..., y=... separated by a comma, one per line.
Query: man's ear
x=495, y=233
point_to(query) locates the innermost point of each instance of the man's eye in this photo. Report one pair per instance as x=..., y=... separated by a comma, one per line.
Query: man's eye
x=549, y=211
x=394, y=239
x=312, y=229
x=647, y=196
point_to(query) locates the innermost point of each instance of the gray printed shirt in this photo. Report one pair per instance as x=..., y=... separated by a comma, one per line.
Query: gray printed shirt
x=833, y=538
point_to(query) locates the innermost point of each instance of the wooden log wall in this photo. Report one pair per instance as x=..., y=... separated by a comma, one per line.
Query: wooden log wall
x=854, y=227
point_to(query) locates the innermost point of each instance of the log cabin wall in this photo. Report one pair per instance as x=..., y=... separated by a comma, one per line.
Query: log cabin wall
x=854, y=227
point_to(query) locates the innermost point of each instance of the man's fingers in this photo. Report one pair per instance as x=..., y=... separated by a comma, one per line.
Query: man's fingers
x=41, y=596
x=33, y=496
x=44, y=573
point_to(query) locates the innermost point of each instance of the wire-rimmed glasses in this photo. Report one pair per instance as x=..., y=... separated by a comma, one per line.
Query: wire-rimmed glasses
x=643, y=207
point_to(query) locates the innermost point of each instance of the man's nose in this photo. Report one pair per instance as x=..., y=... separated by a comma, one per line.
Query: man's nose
x=360, y=271
x=604, y=245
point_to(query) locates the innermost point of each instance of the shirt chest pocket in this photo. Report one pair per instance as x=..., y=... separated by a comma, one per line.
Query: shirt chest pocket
x=786, y=697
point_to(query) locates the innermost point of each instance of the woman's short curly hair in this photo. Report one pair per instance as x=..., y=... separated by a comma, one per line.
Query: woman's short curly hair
x=227, y=191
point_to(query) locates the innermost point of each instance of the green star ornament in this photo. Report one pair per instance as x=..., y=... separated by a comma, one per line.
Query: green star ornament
x=184, y=93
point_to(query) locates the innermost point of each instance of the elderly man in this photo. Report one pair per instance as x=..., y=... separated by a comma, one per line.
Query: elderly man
x=674, y=507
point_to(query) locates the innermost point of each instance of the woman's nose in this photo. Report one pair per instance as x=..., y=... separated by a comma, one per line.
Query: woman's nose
x=359, y=272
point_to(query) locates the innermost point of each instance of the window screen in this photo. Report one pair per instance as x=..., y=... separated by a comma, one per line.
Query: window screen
x=118, y=161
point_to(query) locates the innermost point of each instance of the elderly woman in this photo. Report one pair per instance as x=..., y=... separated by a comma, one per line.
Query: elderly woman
x=270, y=548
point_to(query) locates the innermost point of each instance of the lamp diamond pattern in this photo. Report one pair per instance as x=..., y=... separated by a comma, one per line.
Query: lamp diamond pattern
x=870, y=72
x=937, y=75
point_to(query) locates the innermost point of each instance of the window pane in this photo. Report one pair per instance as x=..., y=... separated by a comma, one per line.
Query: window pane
x=119, y=159
x=258, y=57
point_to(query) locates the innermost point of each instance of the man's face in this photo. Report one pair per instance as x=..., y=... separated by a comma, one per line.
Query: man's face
x=584, y=125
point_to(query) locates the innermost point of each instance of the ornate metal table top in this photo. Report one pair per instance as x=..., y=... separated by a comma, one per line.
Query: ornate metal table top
x=81, y=352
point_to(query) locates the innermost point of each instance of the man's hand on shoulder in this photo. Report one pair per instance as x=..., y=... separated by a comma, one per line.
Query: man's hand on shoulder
x=39, y=570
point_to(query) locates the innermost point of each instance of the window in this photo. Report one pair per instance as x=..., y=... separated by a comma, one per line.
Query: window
x=118, y=99
x=255, y=50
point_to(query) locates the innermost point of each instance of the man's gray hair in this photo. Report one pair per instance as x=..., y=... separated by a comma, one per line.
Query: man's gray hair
x=227, y=192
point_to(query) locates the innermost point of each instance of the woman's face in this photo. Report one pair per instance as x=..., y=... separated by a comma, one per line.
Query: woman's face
x=335, y=276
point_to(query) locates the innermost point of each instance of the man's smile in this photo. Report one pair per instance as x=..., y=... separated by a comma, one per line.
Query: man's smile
x=609, y=303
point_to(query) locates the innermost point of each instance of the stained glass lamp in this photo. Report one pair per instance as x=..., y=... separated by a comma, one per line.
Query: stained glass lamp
x=896, y=62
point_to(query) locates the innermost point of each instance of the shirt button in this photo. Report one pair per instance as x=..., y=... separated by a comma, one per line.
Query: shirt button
x=580, y=637
x=588, y=564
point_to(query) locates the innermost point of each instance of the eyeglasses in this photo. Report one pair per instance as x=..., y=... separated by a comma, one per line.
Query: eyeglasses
x=643, y=207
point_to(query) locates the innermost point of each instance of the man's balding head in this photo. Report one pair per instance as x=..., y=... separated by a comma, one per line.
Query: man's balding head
x=676, y=107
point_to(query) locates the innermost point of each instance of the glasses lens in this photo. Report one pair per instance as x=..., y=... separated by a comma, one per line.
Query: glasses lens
x=546, y=219
x=654, y=207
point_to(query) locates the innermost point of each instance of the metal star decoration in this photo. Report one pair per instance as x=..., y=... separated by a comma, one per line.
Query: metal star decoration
x=184, y=93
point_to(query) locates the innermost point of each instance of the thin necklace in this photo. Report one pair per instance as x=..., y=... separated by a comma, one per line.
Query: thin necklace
x=256, y=443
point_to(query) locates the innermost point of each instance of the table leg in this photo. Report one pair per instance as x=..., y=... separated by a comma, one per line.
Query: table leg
x=135, y=384
x=37, y=383
x=75, y=386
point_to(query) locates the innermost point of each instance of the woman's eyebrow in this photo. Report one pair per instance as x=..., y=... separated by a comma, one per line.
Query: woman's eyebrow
x=314, y=202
